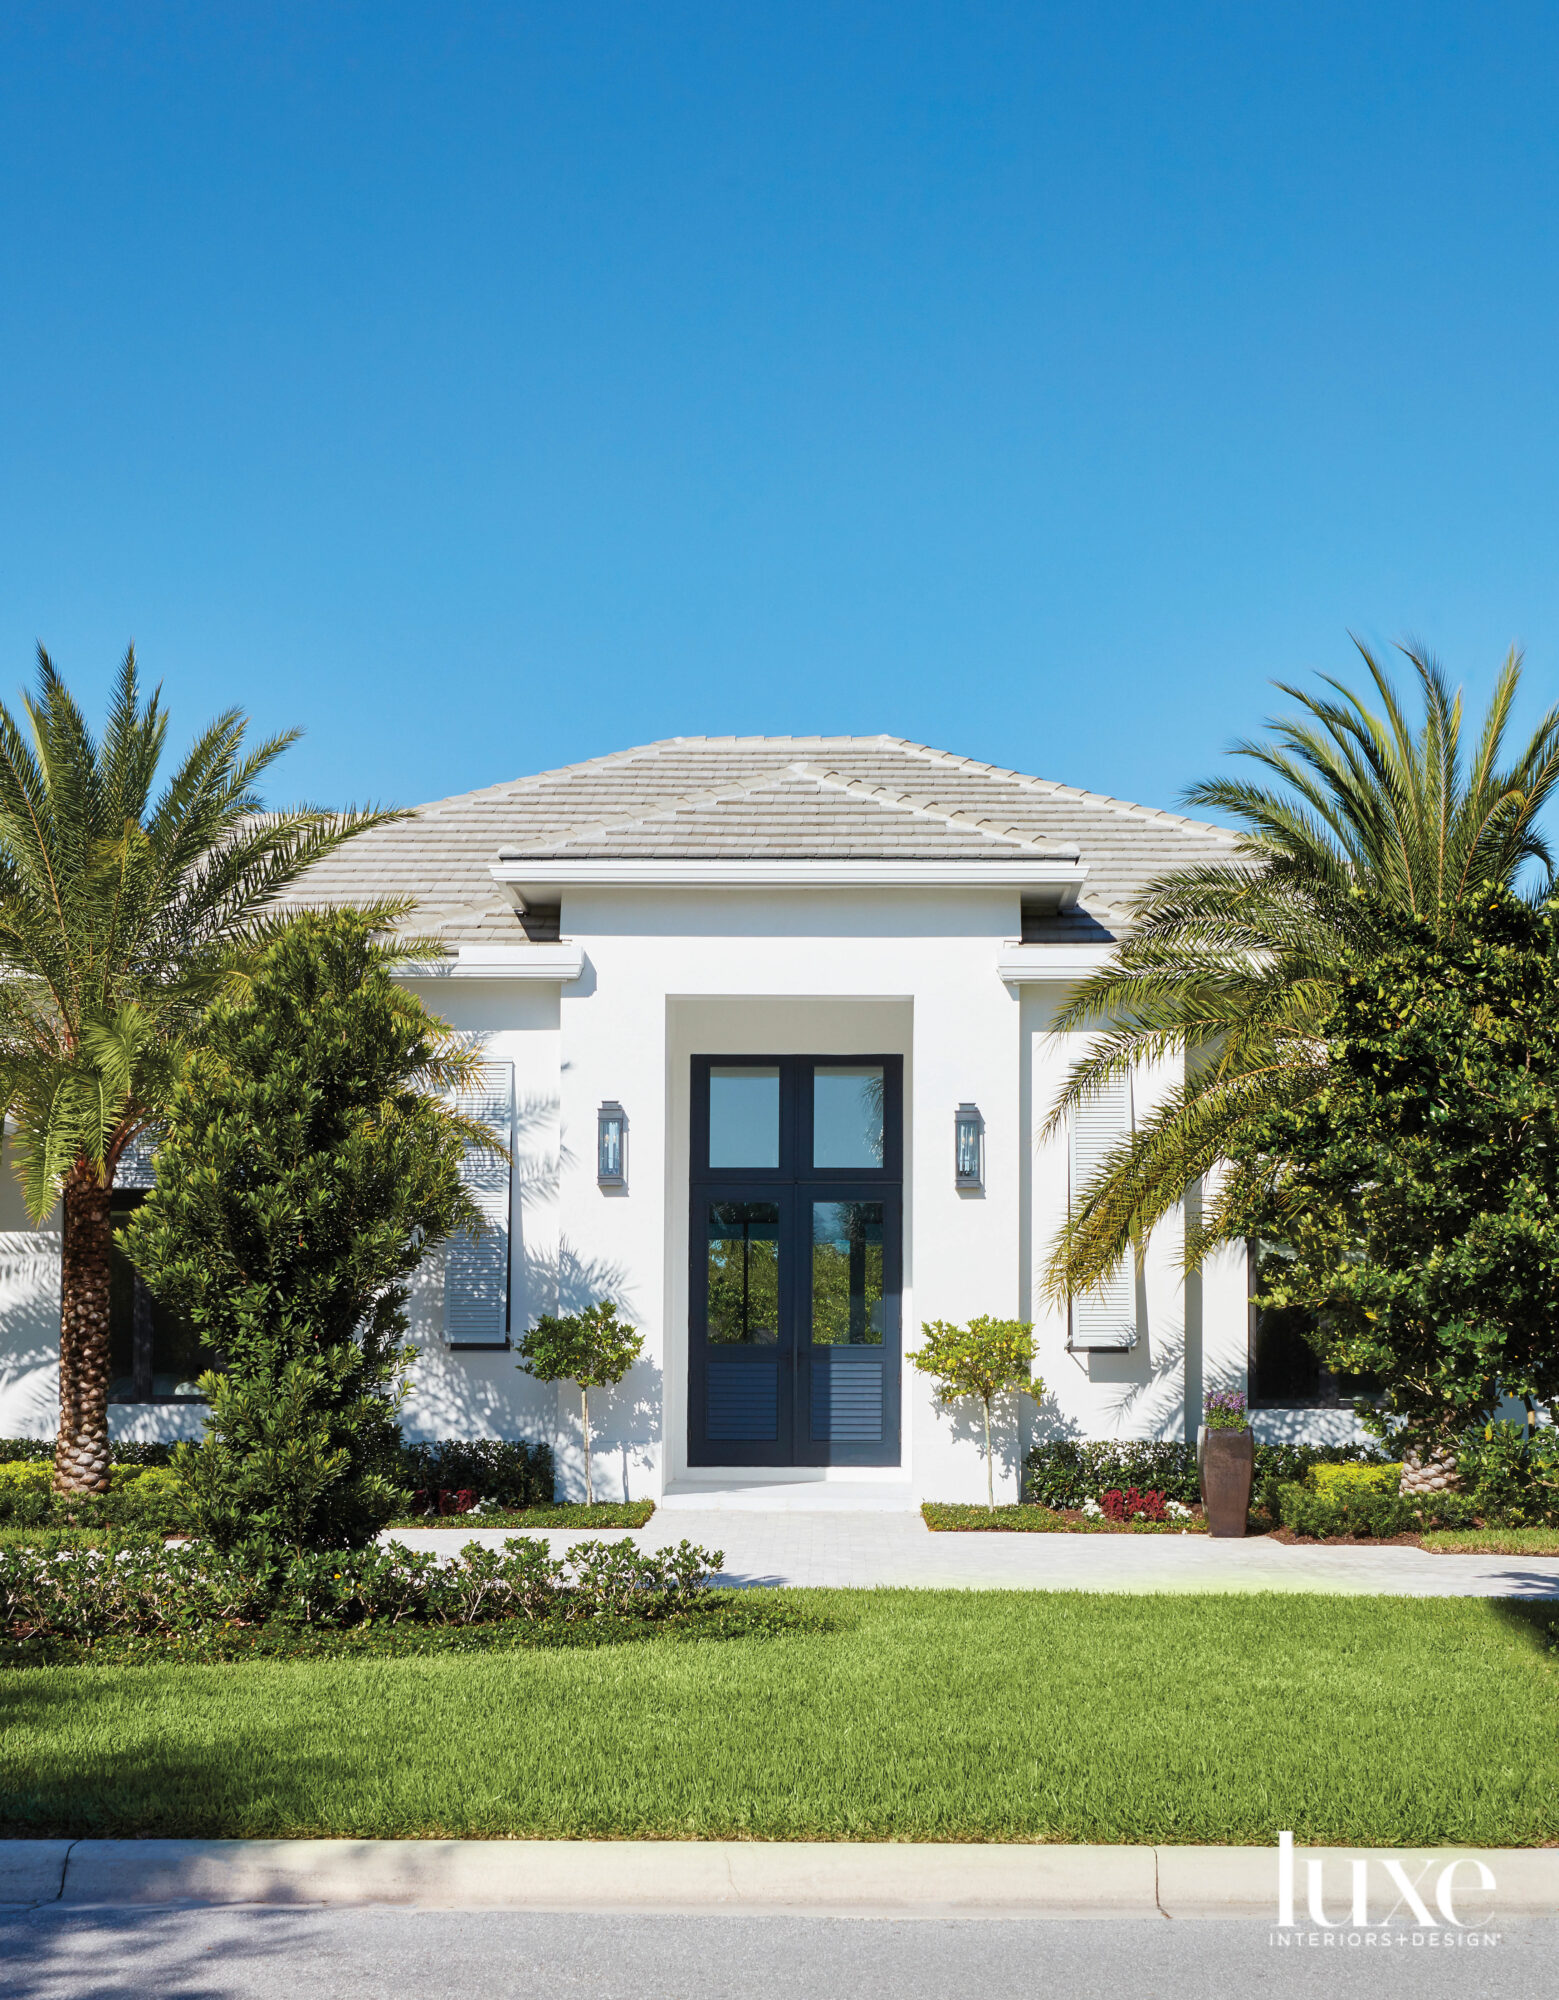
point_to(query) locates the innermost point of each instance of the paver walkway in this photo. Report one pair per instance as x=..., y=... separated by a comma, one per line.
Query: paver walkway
x=863, y=1550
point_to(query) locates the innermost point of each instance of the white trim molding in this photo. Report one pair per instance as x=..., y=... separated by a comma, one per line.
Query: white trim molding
x=1058, y=877
x=561, y=963
x=1026, y=964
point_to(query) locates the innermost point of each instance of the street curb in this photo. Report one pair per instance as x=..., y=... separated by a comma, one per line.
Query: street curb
x=818, y=1878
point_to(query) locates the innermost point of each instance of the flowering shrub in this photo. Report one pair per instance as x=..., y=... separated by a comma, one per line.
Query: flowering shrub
x=1131, y=1505
x=1224, y=1410
x=88, y=1594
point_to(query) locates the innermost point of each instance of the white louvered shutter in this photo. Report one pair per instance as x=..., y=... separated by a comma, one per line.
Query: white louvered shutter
x=135, y=1168
x=1107, y=1316
x=476, y=1268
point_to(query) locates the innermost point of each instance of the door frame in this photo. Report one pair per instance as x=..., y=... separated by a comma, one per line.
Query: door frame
x=794, y=1185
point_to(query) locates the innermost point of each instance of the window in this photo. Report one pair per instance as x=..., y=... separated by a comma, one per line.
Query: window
x=744, y=1116
x=155, y=1354
x=1285, y=1370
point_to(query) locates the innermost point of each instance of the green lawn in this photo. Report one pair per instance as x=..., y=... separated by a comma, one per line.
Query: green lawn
x=921, y=1715
x=1493, y=1541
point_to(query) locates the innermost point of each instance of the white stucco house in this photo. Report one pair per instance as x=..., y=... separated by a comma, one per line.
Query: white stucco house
x=768, y=1023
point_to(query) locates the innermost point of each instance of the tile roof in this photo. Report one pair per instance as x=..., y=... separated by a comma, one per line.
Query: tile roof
x=746, y=797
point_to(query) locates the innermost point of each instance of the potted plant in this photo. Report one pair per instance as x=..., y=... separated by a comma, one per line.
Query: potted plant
x=1226, y=1461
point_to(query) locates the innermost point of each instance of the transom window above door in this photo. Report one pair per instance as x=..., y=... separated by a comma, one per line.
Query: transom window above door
x=796, y=1116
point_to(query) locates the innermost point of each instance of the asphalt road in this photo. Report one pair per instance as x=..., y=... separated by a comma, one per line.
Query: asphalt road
x=396, y=1954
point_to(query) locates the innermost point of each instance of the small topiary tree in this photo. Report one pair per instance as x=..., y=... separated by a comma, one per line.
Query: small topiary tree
x=593, y=1349
x=306, y=1165
x=987, y=1358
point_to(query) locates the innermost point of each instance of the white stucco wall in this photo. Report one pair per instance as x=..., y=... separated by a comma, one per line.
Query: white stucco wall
x=29, y=1313
x=670, y=974
x=1141, y=1393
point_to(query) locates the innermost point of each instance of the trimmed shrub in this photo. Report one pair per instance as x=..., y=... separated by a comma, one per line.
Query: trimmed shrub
x=146, y=1495
x=86, y=1594
x=149, y=1499
x=120, y=1451
x=1352, y=1508
x=1333, y=1480
x=1072, y=1471
x=509, y=1472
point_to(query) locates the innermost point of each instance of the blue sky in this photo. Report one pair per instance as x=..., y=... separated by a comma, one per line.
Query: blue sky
x=485, y=387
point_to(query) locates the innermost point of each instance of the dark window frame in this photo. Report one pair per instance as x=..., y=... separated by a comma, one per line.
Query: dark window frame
x=1330, y=1394
x=123, y=1203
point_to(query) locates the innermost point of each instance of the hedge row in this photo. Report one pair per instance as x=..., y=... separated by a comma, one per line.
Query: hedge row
x=1349, y=1508
x=1070, y=1471
x=86, y=1595
x=145, y=1494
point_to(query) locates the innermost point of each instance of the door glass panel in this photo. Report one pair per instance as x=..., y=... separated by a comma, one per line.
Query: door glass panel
x=847, y=1305
x=744, y=1117
x=743, y=1262
x=847, y=1115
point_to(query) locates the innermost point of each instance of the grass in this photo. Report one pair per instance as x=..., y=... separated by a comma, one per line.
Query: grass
x=920, y=1715
x=574, y=1514
x=1493, y=1541
x=961, y=1517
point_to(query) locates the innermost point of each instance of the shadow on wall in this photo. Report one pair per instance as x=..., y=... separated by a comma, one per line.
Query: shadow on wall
x=470, y=1392
x=1150, y=1398
x=625, y=1433
x=1048, y=1423
x=965, y=1424
x=1308, y=1426
x=29, y=1332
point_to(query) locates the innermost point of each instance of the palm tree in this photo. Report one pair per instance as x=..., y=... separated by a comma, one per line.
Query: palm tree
x=1231, y=967
x=120, y=916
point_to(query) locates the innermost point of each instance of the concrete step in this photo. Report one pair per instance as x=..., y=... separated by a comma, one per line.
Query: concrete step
x=789, y=1496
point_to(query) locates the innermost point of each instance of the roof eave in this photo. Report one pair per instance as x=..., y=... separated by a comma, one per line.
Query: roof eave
x=1054, y=878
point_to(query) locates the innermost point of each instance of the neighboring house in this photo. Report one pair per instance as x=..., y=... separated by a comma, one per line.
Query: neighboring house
x=767, y=1026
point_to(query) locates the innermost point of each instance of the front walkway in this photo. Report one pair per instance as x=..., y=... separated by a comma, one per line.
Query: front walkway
x=862, y=1550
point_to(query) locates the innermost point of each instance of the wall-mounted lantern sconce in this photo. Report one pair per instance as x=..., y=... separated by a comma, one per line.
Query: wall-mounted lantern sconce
x=611, y=1146
x=968, y=1147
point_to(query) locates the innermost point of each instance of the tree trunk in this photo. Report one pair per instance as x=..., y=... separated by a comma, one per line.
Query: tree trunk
x=584, y=1398
x=81, y=1461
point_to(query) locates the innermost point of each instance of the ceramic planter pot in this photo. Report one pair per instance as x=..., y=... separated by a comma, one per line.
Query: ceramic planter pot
x=1227, y=1462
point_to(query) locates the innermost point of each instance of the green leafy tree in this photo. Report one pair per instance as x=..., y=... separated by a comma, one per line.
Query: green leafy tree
x=1417, y=1187
x=594, y=1349
x=988, y=1358
x=1235, y=966
x=121, y=912
x=308, y=1161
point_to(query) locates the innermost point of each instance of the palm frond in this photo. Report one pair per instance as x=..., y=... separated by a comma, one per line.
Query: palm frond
x=1231, y=969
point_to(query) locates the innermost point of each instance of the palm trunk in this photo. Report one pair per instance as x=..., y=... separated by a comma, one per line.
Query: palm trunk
x=81, y=1460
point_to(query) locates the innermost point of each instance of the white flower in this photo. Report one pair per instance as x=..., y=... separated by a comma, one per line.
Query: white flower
x=1092, y=1509
x=1177, y=1510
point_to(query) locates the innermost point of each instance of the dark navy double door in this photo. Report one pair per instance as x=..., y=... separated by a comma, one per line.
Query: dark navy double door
x=796, y=1246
